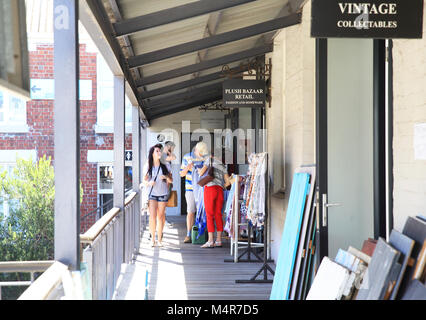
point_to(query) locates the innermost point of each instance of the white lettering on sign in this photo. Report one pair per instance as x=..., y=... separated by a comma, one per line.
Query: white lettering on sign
x=369, y=8
x=62, y=18
x=250, y=91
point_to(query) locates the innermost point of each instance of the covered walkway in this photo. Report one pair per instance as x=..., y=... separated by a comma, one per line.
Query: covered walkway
x=180, y=271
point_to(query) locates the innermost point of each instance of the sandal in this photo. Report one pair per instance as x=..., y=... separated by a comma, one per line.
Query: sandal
x=152, y=244
x=208, y=245
x=218, y=244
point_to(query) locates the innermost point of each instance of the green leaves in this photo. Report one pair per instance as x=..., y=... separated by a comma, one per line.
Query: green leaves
x=28, y=232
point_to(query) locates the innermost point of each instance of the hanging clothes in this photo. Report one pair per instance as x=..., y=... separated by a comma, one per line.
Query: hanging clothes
x=253, y=206
x=200, y=219
x=228, y=209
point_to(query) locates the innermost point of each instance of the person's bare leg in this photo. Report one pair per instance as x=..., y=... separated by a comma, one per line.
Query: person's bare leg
x=190, y=217
x=211, y=236
x=219, y=236
x=161, y=220
x=152, y=219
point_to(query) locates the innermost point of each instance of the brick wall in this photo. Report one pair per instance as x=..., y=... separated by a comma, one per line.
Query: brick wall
x=40, y=120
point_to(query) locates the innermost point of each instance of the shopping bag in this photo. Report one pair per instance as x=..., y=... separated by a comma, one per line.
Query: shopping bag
x=172, y=202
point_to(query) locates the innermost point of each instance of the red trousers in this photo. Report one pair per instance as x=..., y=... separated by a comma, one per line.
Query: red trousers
x=213, y=203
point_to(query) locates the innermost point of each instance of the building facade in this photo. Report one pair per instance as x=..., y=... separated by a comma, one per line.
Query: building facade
x=27, y=127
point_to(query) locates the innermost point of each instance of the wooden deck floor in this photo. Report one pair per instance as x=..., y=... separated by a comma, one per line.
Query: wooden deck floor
x=180, y=271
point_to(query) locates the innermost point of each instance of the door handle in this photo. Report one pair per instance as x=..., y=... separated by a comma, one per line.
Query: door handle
x=333, y=205
x=325, y=207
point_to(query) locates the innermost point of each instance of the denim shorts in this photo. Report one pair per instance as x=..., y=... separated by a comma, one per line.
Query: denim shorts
x=164, y=198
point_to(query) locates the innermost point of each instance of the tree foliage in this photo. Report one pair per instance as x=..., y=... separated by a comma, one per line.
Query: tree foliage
x=27, y=233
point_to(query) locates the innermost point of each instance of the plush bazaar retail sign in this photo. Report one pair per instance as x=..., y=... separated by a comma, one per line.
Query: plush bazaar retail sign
x=239, y=93
x=367, y=19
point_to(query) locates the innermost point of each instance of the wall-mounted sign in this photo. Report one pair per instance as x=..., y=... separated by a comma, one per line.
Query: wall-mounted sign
x=44, y=89
x=128, y=155
x=379, y=19
x=239, y=93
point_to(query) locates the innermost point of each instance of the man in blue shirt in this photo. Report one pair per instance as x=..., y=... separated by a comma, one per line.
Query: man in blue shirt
x=190, y=161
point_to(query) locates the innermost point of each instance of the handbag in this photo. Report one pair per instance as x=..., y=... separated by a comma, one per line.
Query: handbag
x=172, y=202
x=207, y=177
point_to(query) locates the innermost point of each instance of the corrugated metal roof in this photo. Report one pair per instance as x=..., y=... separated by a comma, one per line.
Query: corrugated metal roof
x=151, y=25
x=39, y=16
x=40, y=24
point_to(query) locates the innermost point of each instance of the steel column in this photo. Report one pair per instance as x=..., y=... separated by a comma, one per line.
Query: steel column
x=119, y=145
x=136, y=178
x=67, y=133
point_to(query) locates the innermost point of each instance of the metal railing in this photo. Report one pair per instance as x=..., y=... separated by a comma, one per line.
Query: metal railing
x=111, y=241
x=49, y=286
x=97, y=213
x=22, y=267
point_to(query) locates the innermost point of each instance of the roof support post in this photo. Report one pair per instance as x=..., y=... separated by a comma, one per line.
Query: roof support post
x=67, y=133
x=136, y=165
x=119, y=145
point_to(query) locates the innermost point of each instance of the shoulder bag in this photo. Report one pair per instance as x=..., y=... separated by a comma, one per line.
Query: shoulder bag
x=208, y=177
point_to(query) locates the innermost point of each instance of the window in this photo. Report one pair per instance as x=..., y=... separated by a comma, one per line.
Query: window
x=105, y=184
x=105, y=93
x=6, y=204
x=105, y=100
x=106, y=178
x=13, y=113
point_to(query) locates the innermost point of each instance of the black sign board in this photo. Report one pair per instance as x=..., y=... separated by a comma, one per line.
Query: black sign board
x=239, y=93
x=380, y=19
x=128, y=155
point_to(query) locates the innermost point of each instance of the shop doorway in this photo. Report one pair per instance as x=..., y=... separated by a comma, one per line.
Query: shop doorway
x=350, y=142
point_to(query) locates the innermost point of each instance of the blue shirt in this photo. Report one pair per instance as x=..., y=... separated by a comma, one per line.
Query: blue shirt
x=198, y=163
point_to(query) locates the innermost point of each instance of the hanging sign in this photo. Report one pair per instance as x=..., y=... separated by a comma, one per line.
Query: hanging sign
x=367, y=19
x=239, y=93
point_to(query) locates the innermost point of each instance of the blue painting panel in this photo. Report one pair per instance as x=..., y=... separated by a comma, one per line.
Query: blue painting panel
x=290, y=237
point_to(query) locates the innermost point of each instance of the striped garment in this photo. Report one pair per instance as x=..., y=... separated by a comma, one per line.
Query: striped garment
x=197, y=164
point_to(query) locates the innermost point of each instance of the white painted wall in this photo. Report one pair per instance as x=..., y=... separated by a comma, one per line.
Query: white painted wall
x=292, y=114
x=409, y=145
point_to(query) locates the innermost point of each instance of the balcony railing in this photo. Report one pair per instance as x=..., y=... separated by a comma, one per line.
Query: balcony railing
x=31, y=267
x=110, y=242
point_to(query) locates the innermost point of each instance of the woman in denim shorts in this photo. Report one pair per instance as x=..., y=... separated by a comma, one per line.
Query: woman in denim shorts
x=157, y=179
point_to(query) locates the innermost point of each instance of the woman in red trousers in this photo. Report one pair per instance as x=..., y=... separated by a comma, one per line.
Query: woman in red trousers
x=213, y=200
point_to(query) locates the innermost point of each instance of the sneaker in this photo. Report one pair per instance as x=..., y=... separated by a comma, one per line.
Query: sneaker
x=187, y=240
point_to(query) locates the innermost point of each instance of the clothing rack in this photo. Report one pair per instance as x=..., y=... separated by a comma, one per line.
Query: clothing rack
x=247, y=245
x=265, y=266
x=250, y=245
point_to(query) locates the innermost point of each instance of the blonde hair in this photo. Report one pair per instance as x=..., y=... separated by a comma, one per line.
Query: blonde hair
x=202, y=148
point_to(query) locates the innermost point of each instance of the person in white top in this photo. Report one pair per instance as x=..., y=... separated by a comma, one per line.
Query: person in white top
x=156, y=178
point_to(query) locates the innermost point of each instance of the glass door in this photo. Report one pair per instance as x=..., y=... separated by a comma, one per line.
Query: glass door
x=350, y=197
x=346, y=143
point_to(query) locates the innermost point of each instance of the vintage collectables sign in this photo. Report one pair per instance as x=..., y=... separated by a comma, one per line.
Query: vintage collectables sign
x=380, y=19
x=239, y=93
